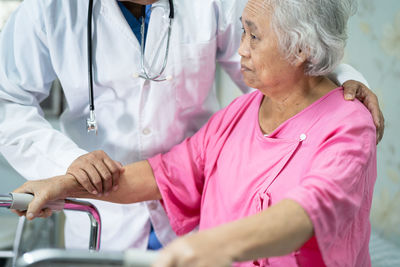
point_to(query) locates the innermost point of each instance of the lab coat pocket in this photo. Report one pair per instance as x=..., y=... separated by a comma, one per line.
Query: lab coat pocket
x=195, y=72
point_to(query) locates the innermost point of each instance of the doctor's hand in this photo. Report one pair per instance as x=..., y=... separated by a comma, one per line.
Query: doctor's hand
x=44, y=191
x=96, y=172
x=201, y=249
x=354, y=89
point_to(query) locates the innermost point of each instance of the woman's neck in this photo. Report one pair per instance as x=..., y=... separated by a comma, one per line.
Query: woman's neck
x=279, y=107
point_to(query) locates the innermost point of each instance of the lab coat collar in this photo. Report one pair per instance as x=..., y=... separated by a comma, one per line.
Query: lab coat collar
x=113, y=5
x=162, y=3
x=112, y=11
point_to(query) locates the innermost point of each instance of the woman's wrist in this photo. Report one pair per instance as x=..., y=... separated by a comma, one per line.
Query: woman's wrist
x=71, y=186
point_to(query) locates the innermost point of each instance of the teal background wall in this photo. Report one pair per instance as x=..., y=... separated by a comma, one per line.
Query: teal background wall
x=374, y=49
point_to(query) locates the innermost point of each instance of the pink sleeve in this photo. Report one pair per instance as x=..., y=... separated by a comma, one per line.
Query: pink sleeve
x=180, y=172
x=179, y=175
x=336, y=192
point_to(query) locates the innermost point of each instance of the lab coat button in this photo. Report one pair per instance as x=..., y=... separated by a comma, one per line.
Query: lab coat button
x=146, y=131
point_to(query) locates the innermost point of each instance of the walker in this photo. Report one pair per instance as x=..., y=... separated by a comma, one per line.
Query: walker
x=71, y=258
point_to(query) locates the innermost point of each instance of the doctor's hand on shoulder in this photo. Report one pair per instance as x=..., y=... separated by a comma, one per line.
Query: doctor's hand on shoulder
x=96, y=172
x=354, y=89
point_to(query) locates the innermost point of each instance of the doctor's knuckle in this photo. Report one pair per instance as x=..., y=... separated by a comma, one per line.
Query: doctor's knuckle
x=88, y=186
x=97, y=153
x=90, y=157
x=108, y=177
x=113, y=169
x=77, y=176
x=73, y=171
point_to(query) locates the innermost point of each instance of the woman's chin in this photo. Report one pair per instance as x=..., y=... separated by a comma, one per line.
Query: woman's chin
x=250, y=82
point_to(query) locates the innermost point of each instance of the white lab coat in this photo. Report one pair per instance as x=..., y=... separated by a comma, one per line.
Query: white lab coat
x=137, y=119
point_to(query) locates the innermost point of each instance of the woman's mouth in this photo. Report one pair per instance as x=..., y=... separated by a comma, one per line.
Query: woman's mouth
x=244, y=68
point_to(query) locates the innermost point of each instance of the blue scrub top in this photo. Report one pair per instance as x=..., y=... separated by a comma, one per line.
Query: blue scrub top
x=135, y=23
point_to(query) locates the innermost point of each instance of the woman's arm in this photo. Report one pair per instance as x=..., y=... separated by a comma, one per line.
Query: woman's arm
x=136, y=184
x=278, y=230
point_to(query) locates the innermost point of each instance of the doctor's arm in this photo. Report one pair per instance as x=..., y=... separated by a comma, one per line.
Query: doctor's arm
x=27, y=140
x=136, y=184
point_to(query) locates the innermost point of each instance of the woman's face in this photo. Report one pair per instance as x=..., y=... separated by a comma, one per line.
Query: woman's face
x=263, y=66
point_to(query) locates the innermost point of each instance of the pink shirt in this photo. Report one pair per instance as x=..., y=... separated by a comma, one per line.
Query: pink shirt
x=324, y=158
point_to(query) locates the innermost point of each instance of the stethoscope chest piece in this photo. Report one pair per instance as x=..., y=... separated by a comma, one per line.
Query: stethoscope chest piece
x=145, y=73
x=91, y=123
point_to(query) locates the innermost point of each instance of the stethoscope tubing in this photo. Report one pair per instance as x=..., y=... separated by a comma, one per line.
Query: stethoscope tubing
x=91, y=121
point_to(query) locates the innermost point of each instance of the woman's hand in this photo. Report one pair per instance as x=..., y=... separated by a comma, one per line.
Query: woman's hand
x=96, y=172
x=47, y=190
x=354, y=89
x=195, y=250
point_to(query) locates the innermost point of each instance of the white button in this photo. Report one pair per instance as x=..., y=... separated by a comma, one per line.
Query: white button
x=146, y=131
x=303, y=137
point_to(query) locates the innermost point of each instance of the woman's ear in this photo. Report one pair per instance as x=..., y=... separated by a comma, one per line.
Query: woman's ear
x=301, y=57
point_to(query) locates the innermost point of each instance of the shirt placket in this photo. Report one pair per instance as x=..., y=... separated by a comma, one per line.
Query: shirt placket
x=264, y=196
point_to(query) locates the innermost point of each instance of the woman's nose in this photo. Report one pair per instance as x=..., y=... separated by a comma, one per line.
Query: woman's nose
x=244, y=48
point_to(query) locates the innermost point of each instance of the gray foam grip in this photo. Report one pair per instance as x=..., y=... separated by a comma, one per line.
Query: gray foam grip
x=21, y=202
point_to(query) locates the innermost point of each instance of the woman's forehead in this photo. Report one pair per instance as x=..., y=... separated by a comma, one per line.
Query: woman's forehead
x=255, y=8
x=259, y=6
x=255, y=12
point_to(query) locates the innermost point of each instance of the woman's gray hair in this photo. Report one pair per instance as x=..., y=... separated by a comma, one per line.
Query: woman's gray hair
x=315, y=26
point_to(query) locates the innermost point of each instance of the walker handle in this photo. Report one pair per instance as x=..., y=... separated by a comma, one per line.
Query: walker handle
x=21, y=202
x=18, y=201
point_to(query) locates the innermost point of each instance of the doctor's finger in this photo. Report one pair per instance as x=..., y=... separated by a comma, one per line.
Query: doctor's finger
x=94, y=177
x=380, y=128
x=350, y=89
x=105, y=175
x=116, y=170
x=83, y=179
x=371, y=102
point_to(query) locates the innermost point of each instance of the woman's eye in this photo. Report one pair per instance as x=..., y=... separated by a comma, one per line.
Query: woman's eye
x=253, y=37
x=243, y=33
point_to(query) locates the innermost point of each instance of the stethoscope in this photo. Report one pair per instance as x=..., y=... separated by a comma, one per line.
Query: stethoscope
x=145, y=73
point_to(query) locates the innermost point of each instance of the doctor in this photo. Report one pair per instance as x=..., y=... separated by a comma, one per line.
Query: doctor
x=136, y=117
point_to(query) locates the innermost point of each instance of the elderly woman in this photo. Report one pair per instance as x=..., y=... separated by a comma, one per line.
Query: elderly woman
x=281, y=177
